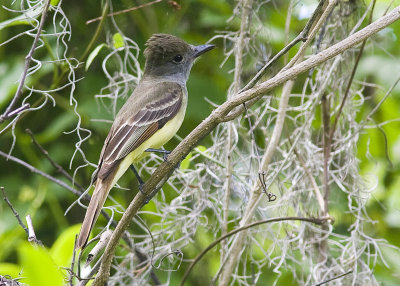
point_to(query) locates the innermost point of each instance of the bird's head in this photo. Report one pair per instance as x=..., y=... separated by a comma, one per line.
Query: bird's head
x=167, y=55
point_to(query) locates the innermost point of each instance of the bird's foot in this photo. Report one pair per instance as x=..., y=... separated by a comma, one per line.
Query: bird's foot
x=164, y=152
x=140, y=183
x=146, y=197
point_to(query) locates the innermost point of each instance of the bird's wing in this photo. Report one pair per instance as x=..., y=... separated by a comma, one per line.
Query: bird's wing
x=139, y=125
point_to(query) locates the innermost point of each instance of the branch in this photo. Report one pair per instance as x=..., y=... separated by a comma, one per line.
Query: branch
x=318, y=221
x=31, y=231
x=28, y=59
x=301, y=37
x=57, y=166
x=14, y=112
x=239, y=49
x=5, y=198
x=353, y=72
x=123, y=11
x=165, y=169
x=326, y=149
x=41, y=173
x=97, y=32
x=334, y=278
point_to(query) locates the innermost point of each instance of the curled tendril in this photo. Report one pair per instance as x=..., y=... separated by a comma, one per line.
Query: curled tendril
x=261, y=178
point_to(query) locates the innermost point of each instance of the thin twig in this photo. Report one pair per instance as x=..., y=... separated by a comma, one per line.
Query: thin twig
x=353, y=72
x=57, y=166
x=97, y=32
x=28, y=59
x=316, y=22
x=31, y=231
x=71, y=272
x=327, y=149
x=143, y=257
x=55, y=180
x=37, y=171
x=5, y=198
x=62, y=184
x=124, y=11
x=323, y=245
x=92, y=272
x=59, y=182
x=318, y=221
x=301, y=37
x=17, y=111
x=104, y=238
x=287, y=26
x=334, y=278
x=389, y=91
x=386, y=147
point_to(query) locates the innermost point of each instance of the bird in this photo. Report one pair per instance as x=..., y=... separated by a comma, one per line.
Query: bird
x=149, y=118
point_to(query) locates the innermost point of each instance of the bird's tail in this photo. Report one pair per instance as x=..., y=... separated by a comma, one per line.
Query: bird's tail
x=99, y=197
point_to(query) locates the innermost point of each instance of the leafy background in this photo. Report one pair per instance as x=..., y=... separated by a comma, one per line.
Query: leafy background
x=378, y=150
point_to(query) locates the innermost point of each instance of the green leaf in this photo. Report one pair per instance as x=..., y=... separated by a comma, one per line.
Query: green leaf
x=93, y=55
x=61, y=251
x=118, y=40
x=186, y=162
x=201, y=148
x=54, y=2
x=38, y=267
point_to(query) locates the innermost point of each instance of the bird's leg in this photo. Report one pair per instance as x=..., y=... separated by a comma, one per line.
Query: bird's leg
x=140, y=181
x=164, y=152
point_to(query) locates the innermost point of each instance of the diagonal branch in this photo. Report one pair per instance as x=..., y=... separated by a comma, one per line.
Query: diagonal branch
x=16, y=214
x=57, y=166
x=41, y=173
x=124, y=11
x=161, y=174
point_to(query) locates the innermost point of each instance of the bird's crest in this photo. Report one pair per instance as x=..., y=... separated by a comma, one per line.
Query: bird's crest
x=165, y=46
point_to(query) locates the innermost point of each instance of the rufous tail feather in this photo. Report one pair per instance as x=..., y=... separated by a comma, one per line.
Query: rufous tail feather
x=99, y=197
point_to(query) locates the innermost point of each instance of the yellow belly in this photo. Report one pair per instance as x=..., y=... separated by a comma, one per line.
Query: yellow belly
x=159, y=138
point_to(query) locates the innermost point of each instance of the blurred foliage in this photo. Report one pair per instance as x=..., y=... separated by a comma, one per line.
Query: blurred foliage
x=195, y=21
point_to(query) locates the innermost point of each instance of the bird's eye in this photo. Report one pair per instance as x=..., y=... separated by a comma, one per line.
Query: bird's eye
x=178, y=58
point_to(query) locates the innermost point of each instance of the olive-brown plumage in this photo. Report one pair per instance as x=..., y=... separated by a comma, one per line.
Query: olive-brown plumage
x=149, y=118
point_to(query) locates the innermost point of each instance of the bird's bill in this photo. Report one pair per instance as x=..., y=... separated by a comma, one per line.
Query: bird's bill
x=199, y=50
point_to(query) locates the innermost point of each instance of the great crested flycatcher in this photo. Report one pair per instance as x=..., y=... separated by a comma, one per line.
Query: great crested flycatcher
x=150, y=117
